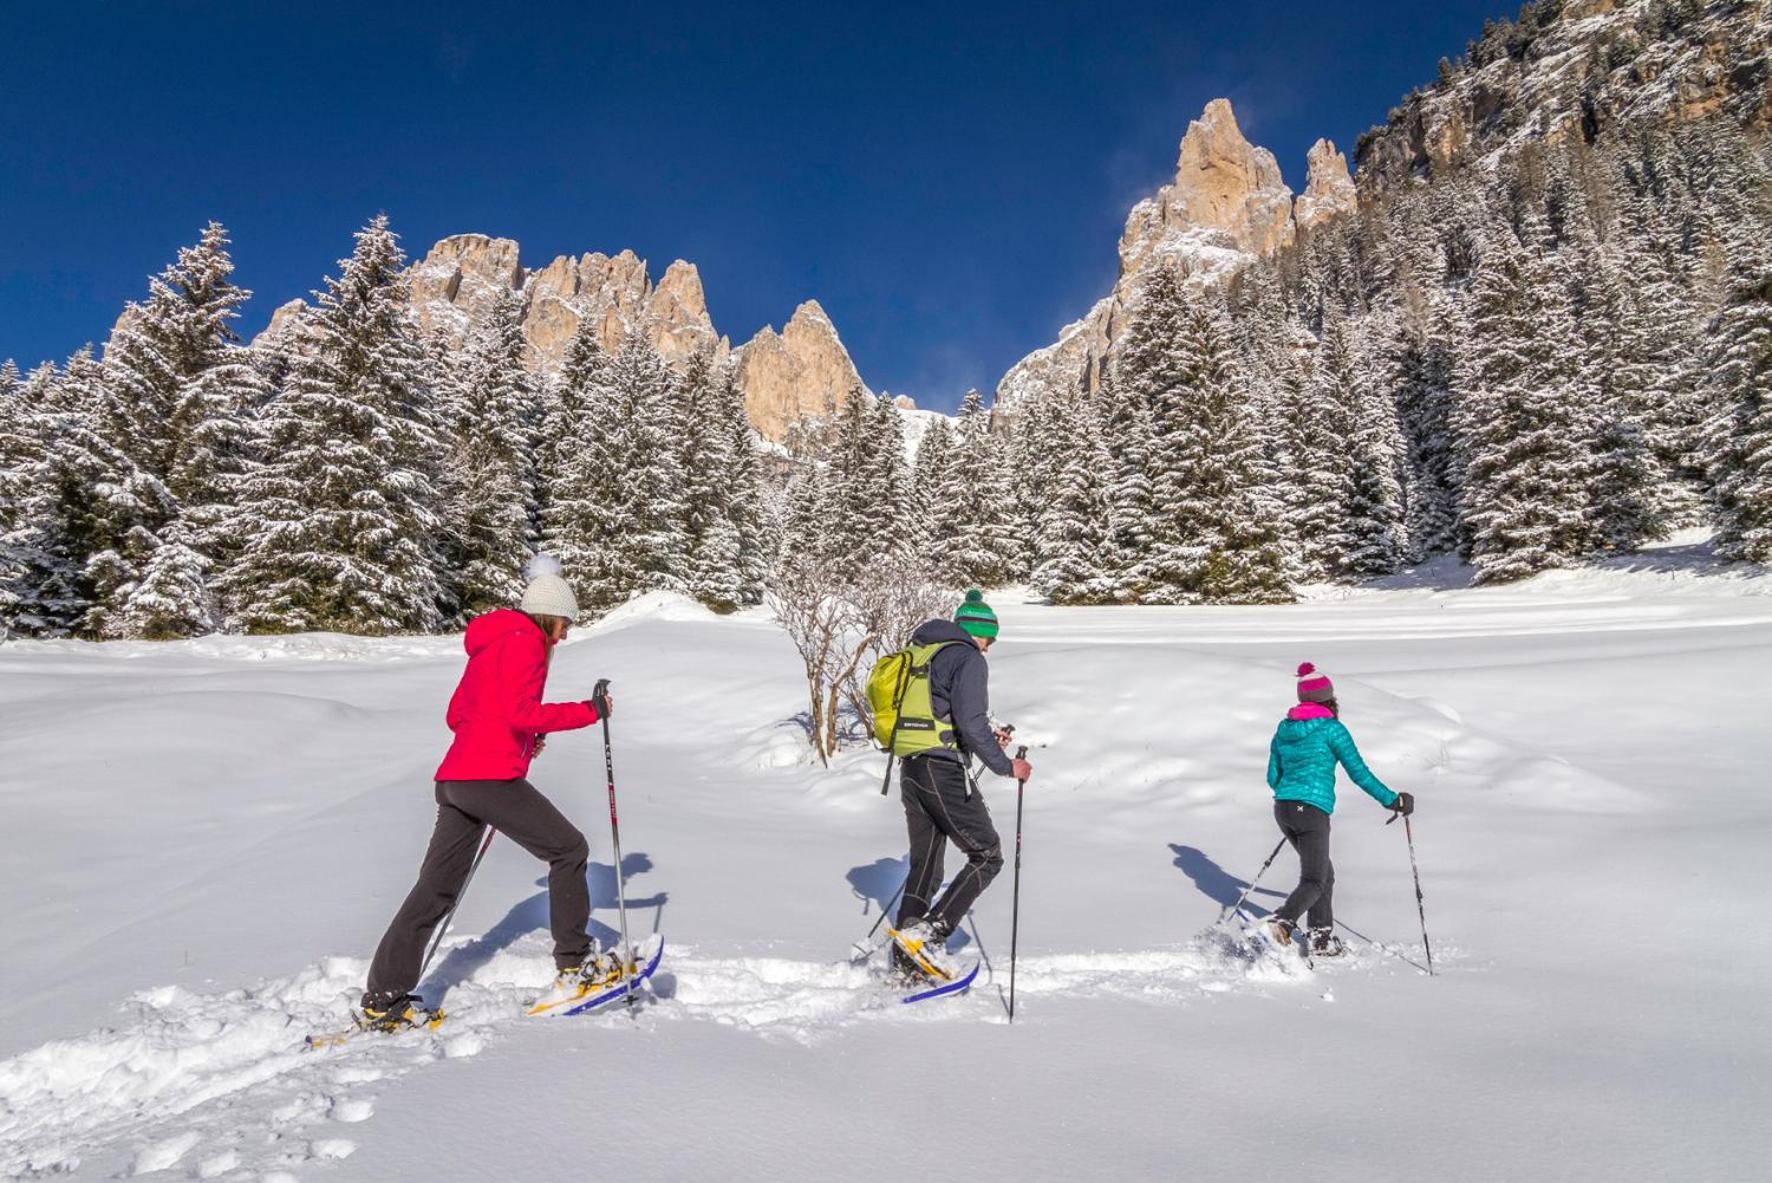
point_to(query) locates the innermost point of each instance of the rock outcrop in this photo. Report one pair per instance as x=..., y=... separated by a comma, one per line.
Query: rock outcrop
x=1329, y=188
x=456, y=282
x=802, y=370
x=1592, y=65
x=1227, y=199
x=1226, y=207
x=453, y=285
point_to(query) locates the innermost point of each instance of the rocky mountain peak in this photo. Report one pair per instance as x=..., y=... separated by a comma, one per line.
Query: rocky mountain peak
x=1329, y=188
x=1227, y=199
x=803, y=370
x=1226, y=207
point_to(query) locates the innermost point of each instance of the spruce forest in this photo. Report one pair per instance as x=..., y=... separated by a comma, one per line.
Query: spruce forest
x=1559, y=350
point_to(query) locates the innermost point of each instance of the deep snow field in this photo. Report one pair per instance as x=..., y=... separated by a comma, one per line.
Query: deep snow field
x=204, y=840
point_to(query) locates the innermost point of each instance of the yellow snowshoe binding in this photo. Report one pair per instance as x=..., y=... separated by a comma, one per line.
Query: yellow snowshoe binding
x=400, y=1014
x=921, y=944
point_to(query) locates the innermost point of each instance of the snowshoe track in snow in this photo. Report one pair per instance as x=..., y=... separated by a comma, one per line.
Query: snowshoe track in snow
x=214, y=1084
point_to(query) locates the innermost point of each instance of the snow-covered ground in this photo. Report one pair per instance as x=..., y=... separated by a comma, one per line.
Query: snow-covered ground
x=204, y=841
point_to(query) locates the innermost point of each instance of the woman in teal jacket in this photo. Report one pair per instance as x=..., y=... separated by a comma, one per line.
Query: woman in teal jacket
x=1301, y=761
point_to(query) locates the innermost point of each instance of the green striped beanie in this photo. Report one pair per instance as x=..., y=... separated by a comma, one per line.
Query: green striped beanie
x=975, y=616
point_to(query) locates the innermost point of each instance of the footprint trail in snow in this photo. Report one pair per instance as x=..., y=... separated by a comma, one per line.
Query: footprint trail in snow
x=215, y=1084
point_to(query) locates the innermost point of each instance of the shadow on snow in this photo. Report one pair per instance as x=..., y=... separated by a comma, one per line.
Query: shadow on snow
x=531, y=914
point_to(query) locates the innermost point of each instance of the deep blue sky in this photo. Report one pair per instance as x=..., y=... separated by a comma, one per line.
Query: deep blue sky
x=948, y=181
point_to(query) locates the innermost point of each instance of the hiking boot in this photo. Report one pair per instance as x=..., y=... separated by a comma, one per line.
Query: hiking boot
x=597, y=972
x=1280, y=929
x=396, y=1012
x=923, y=943
x=1324, y=943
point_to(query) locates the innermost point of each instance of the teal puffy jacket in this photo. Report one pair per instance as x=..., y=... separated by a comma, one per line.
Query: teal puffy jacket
x=1301, y=760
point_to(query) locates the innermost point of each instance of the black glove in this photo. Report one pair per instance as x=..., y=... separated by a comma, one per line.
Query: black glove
x=1404, y=804
x=599, y=700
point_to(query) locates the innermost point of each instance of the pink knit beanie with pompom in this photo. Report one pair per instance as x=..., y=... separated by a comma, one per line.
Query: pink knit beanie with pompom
x=1314, y=685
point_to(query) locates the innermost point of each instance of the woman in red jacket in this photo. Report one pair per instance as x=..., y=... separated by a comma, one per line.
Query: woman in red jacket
x=499, y=720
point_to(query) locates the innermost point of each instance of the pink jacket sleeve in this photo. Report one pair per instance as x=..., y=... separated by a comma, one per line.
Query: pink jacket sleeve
x=522, y=673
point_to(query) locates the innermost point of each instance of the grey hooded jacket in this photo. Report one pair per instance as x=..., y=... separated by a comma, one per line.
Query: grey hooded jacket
x=959, y=688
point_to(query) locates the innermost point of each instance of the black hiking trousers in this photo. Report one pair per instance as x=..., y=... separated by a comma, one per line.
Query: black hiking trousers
x=939, y=806
x=516, y=809
x=1307, y=828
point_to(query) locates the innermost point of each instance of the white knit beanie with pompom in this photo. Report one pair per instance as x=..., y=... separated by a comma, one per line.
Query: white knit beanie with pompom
x=548, y=594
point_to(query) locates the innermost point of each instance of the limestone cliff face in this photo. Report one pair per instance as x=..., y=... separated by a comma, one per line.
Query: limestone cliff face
x=453, y=285
x=803, y=370
x=1592, y=65
x=1329, y=188
x=1227, y=199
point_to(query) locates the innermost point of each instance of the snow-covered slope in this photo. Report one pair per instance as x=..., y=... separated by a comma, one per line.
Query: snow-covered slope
x=206, y=839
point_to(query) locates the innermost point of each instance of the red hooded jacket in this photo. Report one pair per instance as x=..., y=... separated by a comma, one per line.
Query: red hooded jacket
x=497, y=711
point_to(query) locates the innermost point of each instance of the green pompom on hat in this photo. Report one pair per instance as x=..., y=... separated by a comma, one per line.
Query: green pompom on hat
x=976, y=616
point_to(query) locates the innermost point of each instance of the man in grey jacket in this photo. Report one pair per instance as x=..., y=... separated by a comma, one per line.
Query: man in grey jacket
x=940, y=802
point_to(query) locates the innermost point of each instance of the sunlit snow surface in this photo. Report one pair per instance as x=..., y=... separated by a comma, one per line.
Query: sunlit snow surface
x=205, y=839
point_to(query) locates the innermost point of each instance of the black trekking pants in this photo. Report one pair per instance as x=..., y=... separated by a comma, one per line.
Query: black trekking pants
x=464, y=808
x=938, y=806
x=1307, y=828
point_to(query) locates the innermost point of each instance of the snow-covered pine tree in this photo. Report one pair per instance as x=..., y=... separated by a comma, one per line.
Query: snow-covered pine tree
x=171, y=598
x=1374, y=509
x=339, y=515
x=805, y=511
x=1523, y=504
x=1421, y=363
x=1319, y=489
x=889, y=472
x=1624, y=479
x=867, y=483
x=1739, y=437
x=579, y=476
x=711, y=537
x=113, y=502
x=1038, y=440
x=931, y=472
x=179, y=389
x=979, y=548
x=1127, y=432
x=18, y=447
x=746, y=494
x=1075, y=542
x=64, y=513
x=1657, y=349
x=648, y=552
x=1154, y=371
x=1215, y=537
x=488, y=485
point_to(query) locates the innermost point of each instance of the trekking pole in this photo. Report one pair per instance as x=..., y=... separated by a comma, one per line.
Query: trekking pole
x=1238, y=906
x=443, y=928
x=1420, y=906
x=887, y=910
x=601, y=694
x=1015, y=906
x=864, y=948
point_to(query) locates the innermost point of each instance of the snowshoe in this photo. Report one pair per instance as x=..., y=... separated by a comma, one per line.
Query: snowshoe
x=599, y=972
x=407, y=1012
x=1324, y=943
x=398, y=1014
x=922, y=946
x=1280, y=931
